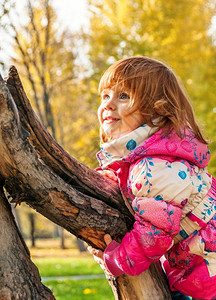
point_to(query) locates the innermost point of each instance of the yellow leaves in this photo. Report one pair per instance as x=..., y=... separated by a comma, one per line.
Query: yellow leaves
x=189, y=81
x=174, y=31
x=122, y=10
x=149, y=4
x=197, y=36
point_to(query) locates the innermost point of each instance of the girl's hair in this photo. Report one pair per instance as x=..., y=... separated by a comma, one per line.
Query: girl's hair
x=155, y=92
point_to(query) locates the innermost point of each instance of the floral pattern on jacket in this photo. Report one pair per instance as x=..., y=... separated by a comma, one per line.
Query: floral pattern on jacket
x=164, y=178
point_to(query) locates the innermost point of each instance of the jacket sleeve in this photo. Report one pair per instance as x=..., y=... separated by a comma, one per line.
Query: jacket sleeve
x=156, y=223
x=155, y=185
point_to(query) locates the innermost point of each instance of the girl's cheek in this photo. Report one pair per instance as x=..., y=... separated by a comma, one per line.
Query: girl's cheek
x=99, y=113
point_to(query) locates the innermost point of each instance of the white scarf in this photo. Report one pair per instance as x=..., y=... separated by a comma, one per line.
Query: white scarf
x=121, y=147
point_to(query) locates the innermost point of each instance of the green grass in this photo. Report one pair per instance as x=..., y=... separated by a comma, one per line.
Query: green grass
x=80, y=290
x=92, y=289
x=67, y=266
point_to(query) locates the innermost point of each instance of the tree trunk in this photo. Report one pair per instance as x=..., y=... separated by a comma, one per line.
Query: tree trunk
x=19, y=277
x=32, y=229
x=81, y=245
x=35, y=169
x=62, y=237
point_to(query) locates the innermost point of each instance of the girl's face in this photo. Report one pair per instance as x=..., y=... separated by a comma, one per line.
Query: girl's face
x=115, y=115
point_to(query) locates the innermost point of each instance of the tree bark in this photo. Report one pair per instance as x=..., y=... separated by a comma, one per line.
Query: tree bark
x=37, y=170
x=19, y=277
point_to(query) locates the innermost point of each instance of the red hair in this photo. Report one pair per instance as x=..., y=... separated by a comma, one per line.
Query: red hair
x=155, y=92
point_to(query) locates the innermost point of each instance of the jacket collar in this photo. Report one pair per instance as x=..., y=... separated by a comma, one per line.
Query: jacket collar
x=121, y=147
x=144, y=141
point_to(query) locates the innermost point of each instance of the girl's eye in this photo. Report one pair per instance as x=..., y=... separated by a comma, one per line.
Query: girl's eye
x=124, y=96
x=106, y=97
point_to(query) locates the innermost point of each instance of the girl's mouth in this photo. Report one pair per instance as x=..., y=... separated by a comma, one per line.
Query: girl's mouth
x=110, y=120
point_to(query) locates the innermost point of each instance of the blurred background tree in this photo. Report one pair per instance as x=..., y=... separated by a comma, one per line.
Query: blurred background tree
x=47, y=59
x=60, y=69
x=178, y=33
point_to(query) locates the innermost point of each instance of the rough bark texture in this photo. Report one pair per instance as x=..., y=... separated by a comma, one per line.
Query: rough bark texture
x=19, y=277
x=37, y=170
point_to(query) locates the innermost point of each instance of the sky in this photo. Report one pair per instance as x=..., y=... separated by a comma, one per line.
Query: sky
x=70, y=13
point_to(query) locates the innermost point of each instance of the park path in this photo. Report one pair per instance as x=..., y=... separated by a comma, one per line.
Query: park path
x=75, y=277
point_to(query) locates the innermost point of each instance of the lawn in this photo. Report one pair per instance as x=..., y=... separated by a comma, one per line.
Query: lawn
x=53, y=264
x=67, y=266
x=80, y=290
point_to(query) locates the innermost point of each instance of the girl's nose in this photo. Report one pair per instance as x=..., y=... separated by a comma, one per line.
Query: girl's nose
x=110, y=104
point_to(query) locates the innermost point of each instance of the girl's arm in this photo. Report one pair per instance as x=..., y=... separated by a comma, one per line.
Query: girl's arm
x=157, y=222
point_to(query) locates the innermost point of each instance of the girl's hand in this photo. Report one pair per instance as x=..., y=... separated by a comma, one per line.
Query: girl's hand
x=98, y=254
x=110, y=174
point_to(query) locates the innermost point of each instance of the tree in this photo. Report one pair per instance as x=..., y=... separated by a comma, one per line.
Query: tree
x=48, y=59
x=5, y=7
x=36, y=170
x=45, y=55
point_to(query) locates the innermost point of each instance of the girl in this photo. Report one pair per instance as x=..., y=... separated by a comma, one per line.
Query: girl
x=153, y=146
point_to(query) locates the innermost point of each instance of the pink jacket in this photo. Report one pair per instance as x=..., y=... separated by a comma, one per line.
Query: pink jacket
x=174, y=200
